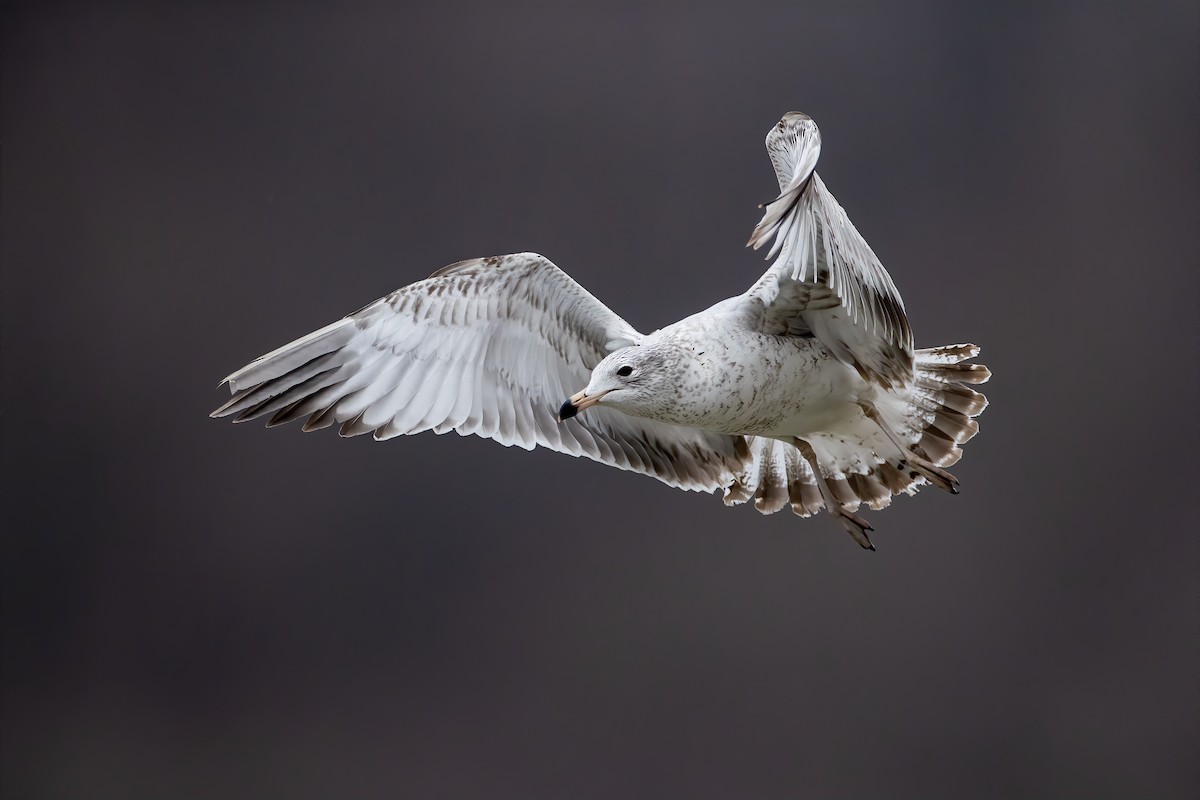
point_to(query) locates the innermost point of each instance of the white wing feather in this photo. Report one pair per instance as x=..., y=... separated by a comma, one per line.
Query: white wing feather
x=825, y=279
x=489, y=347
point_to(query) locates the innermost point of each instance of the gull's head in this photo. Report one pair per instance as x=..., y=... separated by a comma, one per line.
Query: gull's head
x=629, y=379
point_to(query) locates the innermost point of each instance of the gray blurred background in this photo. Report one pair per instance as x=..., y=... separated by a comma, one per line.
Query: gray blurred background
x=198, y=610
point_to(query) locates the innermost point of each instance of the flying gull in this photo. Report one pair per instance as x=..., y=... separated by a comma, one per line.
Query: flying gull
x=805, y=390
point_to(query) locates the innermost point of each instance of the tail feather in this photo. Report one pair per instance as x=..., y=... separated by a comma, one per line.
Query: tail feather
x=935, y=448
x=869, y=489
x=957, y=398
x=957, y=373
x=805, y=496
x=939, y=409
x=894, y=479
x=941, y=379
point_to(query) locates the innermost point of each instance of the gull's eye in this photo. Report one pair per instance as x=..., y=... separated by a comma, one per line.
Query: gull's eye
x=625, y=371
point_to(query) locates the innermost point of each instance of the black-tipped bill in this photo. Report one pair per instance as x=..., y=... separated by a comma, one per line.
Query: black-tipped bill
x=567, y=411
x=578, y=402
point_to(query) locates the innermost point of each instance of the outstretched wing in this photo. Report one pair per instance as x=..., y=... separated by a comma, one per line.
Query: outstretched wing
x=826, y=280
x=489, y=346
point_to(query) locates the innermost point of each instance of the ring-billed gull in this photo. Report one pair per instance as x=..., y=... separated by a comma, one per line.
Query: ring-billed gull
x=805, y=390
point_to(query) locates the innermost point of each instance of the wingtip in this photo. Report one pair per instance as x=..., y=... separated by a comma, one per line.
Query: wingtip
x=221, y=410
x=756, y=241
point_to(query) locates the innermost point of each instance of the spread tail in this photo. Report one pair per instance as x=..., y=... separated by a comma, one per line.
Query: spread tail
x=931, y=418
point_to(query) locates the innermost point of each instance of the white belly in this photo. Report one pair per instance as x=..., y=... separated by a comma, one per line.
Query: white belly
x=788, y=386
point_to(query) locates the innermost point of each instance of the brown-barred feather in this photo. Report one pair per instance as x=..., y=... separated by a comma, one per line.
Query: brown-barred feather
x=938, y=397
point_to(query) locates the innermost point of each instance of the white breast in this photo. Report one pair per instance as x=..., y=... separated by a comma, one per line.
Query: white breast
x=745, y=382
